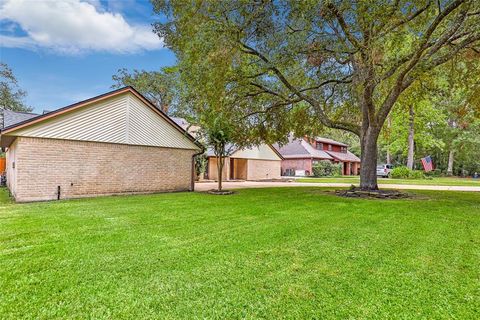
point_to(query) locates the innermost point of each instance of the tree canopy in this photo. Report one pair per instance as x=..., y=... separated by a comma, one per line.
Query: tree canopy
x=160, y=87
x=343, y=63
x=11, y=95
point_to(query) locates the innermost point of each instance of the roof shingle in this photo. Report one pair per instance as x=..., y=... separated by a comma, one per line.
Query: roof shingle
x=12, y=117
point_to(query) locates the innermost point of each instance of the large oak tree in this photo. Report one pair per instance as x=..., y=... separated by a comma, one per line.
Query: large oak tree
x=347, y=61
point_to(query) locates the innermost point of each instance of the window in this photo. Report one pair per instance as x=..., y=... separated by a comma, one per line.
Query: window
x=319, y=146
x=329, y=147
x=344, y=149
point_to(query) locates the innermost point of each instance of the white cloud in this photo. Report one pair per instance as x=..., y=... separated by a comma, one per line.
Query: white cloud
x=73, y=27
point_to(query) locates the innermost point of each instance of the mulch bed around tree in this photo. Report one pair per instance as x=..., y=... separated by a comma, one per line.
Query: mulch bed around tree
x=355, y=192
x=221, y=192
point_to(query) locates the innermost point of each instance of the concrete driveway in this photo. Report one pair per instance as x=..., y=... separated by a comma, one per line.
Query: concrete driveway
x=204, y=186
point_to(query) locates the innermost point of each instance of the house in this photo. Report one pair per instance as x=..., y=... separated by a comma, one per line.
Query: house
x=255, y=163
x=114, y=143
x=301, y=154
x=8, y=118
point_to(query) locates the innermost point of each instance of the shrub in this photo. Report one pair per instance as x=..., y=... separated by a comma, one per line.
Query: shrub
x=434, y=173
x=405, y=173
x=416, y=174
x=326, y=168
x=400, y=173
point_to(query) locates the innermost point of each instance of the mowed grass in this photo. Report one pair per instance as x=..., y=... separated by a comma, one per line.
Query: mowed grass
x=279, y=253
x=436, y=181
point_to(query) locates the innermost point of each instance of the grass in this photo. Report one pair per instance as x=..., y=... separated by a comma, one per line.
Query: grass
x=280, y=253
x=437, y=181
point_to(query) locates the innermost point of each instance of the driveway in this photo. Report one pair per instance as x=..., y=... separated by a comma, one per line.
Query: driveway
x=204, y=186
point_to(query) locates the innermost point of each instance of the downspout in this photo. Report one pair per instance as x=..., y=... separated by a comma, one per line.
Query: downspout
x=192, y=176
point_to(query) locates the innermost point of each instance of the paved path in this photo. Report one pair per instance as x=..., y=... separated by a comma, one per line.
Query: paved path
x=204, y=186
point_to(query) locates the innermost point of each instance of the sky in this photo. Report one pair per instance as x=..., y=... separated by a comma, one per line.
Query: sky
x=65, y=51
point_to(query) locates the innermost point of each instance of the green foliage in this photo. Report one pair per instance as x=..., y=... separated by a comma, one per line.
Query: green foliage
x=447, y=118
x=325, y=168
x=11, y=96
x=434, y=173
x=218, y=132
x=200, y=164
x=342, y=63
x=160, y=87
x=405, y=173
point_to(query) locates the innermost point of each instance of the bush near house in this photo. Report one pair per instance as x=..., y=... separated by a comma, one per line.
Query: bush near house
x=326, y=168
x=405, y=173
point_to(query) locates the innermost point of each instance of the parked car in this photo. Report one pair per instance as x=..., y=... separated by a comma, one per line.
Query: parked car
x=384, y=170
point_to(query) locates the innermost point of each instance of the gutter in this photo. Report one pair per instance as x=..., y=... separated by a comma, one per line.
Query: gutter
x=192, y=175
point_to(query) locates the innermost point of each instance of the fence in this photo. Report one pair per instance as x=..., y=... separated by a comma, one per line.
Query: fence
x=3, y=164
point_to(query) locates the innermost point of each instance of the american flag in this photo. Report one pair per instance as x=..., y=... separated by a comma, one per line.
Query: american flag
x=427, y=163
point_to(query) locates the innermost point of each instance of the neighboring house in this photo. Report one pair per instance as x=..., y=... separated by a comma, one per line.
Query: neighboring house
x=300, y=155
x=255, y=163
x=9, y=117
x=114, y=143
x=192, y=129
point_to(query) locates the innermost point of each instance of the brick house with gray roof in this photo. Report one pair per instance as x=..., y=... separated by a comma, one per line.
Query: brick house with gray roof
x=301, y=154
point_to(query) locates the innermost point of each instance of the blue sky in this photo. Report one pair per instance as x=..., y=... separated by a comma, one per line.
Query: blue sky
x=64, y=51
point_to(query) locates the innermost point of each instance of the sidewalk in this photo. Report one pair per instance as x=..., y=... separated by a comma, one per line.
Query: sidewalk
x=204, y=186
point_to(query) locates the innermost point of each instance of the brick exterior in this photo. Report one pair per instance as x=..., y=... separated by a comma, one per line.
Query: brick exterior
x=263, y=169
x=297, y=164
x=85, y=169
x=246, y=169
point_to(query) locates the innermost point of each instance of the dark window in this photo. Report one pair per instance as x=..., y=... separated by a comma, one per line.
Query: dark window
x=319, y=146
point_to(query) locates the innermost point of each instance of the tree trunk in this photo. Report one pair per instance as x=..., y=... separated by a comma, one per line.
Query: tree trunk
x=411, y=138
x=389, y=124
x=368, y=169
x=220, y=163
x=451, y=156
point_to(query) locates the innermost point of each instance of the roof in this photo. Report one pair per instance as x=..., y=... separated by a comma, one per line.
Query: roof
x=342, y=156
x=34, y=119
x=299, y=148
x=11, y=118
x=233, y=149
x=192, y=129
x=330, y=141
x=181, y=122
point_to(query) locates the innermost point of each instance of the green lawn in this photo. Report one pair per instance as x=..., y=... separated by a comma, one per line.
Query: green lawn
x=296, y=253
x=441, y=181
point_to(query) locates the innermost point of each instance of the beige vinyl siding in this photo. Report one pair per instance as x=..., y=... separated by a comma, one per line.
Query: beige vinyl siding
x=146, y=128
x=262, y=152
x=123, y=119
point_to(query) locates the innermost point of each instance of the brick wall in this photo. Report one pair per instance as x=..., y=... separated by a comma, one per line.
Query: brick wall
x=92, y=168
x=213, y=170
x=263, y=169
x=297, y=164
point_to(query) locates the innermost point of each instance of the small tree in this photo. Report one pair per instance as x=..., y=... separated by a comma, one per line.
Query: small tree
x=218, y=133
